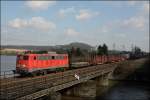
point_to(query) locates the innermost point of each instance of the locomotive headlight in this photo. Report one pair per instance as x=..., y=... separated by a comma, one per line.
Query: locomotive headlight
x=20, y=65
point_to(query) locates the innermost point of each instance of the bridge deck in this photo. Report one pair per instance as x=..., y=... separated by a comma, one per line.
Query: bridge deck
x=32, y=88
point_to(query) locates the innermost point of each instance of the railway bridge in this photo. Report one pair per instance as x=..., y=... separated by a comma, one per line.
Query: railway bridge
x=36, y=87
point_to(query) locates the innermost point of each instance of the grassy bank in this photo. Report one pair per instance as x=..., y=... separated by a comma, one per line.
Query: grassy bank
x=8, y=53
x=127, y=68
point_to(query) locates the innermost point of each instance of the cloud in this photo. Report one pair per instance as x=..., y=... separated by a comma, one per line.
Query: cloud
x=64, y=12
x=41, y=24
x=71, y=32
x=82, y=15
x=85, y=14
x=140, y=20
x=39, y=5
x=135, y=22
x=37, y=23
x=18, y=23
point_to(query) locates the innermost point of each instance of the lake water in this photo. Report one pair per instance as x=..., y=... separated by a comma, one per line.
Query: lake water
x=7, y=63
x=123, y=91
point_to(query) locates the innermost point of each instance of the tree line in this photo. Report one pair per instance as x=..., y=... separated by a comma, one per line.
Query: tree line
x=101, y=50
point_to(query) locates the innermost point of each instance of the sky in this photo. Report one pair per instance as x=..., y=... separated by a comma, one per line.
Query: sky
x=119, y=24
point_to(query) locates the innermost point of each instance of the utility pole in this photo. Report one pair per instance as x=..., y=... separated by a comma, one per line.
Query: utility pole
x=132, y=46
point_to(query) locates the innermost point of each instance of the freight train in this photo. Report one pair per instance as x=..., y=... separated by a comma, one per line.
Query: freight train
x=35, y=64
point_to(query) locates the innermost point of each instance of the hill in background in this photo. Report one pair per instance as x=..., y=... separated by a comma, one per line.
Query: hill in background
x=82, y=46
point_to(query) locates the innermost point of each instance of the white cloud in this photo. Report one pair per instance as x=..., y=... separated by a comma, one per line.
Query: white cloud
x=18, y=23
x=41, y=24
x=85, y=14
x=135, y=22
x=39, y=5
x=37, y=23
x=64, y=12
x=140, y=20
x=71, y=32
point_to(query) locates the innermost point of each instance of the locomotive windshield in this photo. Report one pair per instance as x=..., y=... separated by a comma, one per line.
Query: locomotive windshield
x=23, y=57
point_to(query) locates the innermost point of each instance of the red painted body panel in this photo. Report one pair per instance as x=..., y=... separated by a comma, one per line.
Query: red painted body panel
x=32, y=64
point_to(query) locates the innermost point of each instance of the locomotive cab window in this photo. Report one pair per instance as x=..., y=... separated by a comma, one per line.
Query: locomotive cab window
x=20, y=57
x=53, y=57
x=34, y=58
x=25, y=57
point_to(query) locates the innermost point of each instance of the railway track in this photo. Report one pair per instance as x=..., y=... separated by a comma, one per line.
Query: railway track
x=13, y=79
x=20, y=87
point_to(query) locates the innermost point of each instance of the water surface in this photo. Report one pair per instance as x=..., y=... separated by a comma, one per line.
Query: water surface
x=127, y=91
x=7, y=63
x=122, y=91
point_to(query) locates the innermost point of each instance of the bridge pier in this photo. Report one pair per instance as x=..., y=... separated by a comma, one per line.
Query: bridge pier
x=104, y=79
x=103, y=83
x=86, y=89
x=53, y=96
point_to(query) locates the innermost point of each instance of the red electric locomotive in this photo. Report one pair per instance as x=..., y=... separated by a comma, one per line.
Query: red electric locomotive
x=40, y=63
